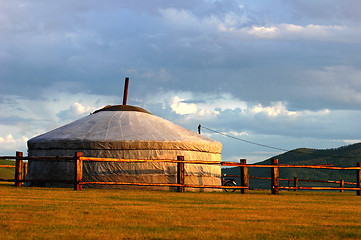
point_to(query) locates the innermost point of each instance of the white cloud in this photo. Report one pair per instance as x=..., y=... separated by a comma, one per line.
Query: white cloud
x=224, y=101
x=308, y=113
x=25, y=139
x=226, y=110
x=273, y=111
x=313, y=31
x=197, y=105
x=76, y=110
x=8, y=139
x=260, y=32
x=53, y=108
x=181, y=19
x=352, y=141
x=235, y=25
x=238, y=133
x=182, y=108
x=9, y=144
x=287, y=31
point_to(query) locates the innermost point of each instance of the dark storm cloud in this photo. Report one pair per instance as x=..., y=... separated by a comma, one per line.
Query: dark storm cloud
x=96, y=44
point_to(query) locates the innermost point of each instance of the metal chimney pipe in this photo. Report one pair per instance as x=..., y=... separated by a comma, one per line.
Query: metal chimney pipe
x=125, y=95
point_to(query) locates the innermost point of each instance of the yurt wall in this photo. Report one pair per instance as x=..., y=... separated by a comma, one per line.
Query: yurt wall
x=130, y=133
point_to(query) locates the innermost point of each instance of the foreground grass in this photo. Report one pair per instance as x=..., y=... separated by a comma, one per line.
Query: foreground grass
x=45, y=213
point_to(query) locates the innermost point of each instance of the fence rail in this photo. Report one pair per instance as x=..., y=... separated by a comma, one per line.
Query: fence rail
x=21, y=171
x=300, y=180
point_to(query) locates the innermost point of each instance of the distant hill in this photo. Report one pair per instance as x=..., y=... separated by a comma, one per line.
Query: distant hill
x=345, y=156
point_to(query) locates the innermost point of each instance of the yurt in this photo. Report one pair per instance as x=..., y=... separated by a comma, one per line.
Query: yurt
x=126, y=132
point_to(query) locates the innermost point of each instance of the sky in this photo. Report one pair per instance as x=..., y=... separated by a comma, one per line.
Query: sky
x=285, y=74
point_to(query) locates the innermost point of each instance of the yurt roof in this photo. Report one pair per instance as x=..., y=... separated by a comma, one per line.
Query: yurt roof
x=124, y=127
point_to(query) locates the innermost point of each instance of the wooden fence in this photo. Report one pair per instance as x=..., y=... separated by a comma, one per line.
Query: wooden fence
x=295, y=181
x=244, y=176
x=21, y=168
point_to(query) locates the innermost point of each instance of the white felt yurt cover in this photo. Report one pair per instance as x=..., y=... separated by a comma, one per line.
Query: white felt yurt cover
x=130, y=133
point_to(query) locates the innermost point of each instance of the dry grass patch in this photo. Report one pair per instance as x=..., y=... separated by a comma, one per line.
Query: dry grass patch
x=37, y=213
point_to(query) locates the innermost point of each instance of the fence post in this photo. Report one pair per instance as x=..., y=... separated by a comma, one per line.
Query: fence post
x=295, y=183
x=180, y=174
x=358, y=179
x=342, y=184
x=25, y=169
x=18, y=169
x=289, y=180
x=78, y=171
x=275, y=177
x=244, y=176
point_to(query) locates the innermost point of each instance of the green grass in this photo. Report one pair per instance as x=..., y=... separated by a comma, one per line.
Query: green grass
x=49, y=213
x=7, y=173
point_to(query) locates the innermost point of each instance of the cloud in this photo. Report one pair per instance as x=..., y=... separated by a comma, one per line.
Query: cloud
x=249, y=119
x=234, y=133
x=75, y=111
x=283, y=72
x=233, y=25
x=52, y=108
x=286, y=31
x=351, y=141
x=273, y=111
x=326, y=10
x=183, y=20
x=182, y=108
x=10, y=144
x=8, y=139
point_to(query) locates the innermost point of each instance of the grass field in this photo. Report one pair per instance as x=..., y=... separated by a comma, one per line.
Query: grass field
x=46, y=213
x=7, y=173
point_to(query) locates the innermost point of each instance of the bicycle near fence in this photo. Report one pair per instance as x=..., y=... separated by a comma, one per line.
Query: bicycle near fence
x=228, y=182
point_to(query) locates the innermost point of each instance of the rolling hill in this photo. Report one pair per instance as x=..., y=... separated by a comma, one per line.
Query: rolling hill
x=345, y=156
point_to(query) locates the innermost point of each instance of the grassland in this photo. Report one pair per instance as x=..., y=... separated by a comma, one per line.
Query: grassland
x=46, y=213
x=7, y=173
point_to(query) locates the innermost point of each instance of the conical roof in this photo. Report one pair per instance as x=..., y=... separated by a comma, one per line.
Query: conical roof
x=124, y=127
